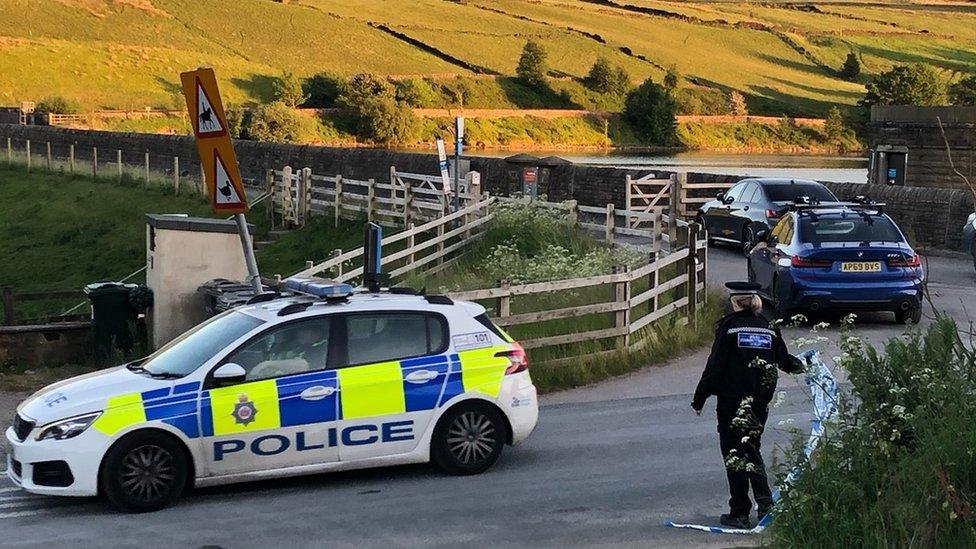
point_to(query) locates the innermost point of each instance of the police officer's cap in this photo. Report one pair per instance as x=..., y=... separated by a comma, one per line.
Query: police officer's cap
x=742, y=288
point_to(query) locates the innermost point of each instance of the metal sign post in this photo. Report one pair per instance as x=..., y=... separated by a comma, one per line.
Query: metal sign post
x=218, y=159
x=458, y=146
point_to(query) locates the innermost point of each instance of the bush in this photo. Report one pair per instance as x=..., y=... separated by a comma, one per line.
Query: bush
x=288, y=89
x=963, y=92
x=58, y=105
x=702, y=101
x=235, y=120
x=896, y=467
x=322, y=90
x=672, y=79
x=278, y=123
x=915, y=84
x=650, y=110
x=361, y=88
x=388, y=121
x=607, y=79
x=416, y=93
x=852, y=67
x=532, y=68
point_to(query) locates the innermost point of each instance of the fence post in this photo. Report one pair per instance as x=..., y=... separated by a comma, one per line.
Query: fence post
x=146, y=162
x=653, y=280
x=48, y=156
x=572, y=209
x=673, y=198
x=287, y=204
x=504, y=302
x=628, y=201
x=28, y=156
x=608, y=233
x=692, y=269
x=307, y=200
x=118, y=162
x=10, y=152
x=621, y=318
x=440, y=245
x=336, y=253
x=71, y=158
x=94, y=162
x=338, y=198
x=411, y=241
x=269, y=188
x=371, y=198
x=408, y=206
x=7, y=296
x=176, y=175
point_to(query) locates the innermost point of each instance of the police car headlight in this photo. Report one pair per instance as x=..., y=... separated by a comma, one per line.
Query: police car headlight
x=68, y=428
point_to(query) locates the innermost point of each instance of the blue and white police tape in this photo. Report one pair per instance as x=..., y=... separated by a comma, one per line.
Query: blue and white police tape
x=823, y=391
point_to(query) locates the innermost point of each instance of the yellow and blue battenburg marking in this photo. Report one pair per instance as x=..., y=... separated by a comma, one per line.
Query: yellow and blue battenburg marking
x=361, y=391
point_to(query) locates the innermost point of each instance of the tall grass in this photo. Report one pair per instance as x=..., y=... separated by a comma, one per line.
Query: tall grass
x=898, y=466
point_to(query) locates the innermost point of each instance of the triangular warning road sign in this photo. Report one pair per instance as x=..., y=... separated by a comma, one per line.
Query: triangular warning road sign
x=227, y=194
x=207, y=123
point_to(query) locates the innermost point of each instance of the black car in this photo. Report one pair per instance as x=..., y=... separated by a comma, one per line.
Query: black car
x=738, y=214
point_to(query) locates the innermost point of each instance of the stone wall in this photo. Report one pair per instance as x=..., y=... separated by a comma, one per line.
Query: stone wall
x=930, y=217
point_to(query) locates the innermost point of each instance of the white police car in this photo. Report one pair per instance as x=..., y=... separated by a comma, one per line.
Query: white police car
x=285, y=387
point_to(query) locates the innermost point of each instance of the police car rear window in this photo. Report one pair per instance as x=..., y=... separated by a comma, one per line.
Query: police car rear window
x=380, y=337
x=487, y=323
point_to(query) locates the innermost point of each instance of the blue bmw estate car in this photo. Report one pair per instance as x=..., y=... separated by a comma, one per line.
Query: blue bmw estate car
x=838, y=257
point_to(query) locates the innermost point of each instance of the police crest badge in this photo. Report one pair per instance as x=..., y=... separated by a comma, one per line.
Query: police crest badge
x=244, y=410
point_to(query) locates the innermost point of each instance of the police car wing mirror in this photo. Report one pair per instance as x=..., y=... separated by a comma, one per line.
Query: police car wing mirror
x=229, y=373
x=727, y=199
x=720, y=196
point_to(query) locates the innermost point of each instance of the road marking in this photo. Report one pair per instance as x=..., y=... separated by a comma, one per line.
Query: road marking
x=17, y=514
x=14, y=489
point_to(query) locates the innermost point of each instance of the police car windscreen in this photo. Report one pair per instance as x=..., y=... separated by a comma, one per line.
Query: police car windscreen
x=849, y=229
x=189, y=351
x=787, y=192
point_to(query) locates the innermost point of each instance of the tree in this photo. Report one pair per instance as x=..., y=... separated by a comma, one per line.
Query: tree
x=607, y=79
x=532, y=68
x=278, y=123
x=415, y=92
x=963, y=92
x=650, y=111
x=672, y=79
x=58, y=105
x=915, y=84
x=288, y=90
x=322, y=90
x=852, y=66
x=737, y=104
x=834, y=127
x=380, y=117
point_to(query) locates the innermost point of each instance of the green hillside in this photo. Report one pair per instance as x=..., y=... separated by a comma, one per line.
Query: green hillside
x=782, y=56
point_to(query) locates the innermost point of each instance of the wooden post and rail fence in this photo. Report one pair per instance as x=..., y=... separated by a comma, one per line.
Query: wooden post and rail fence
x=9, y=301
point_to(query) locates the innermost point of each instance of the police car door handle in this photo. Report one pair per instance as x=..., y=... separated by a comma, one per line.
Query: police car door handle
x=318, y=392
x=420, y=376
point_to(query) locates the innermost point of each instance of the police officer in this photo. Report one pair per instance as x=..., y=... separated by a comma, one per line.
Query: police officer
x=741, y=372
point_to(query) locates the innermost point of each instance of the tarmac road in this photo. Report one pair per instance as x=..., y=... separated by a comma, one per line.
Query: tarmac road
x=606, y=466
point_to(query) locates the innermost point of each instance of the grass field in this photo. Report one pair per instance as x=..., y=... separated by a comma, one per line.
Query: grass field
x=783, y=56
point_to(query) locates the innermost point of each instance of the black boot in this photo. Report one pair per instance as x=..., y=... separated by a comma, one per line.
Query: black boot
x=733, y=521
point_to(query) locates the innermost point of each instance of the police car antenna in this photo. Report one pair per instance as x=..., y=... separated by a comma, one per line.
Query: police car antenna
x=373, y=277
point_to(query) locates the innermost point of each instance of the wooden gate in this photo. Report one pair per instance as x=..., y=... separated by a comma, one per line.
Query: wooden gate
x=645, y=195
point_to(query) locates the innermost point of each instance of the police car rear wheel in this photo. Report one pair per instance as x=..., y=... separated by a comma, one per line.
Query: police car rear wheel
x=144, y=472
x=468, y=440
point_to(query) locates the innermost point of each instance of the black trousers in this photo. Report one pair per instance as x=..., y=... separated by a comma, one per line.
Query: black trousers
x=730, y=438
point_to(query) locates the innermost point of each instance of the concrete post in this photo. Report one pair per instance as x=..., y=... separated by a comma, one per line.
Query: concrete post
x=71, y=158
x=146, y=162
x=176, y=175
x=371, y=199
x=608, y=231
x=94, y=162
x=28, y=156
x=118, y=163
x=48, y=156
x=9, y=152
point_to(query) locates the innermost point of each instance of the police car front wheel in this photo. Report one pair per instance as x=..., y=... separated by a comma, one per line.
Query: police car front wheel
x=144, y=472
x=468, y=439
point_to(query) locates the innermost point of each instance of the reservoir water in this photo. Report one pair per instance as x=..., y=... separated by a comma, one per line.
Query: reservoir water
x=799, y=166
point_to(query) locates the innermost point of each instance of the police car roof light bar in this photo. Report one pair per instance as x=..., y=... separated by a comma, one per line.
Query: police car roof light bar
x=318, y=287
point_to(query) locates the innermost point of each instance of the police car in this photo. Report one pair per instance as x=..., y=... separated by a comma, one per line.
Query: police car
x=289, y=386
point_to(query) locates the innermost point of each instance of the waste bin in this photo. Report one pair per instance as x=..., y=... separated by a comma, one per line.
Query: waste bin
x=111, y=316
x=220, y=294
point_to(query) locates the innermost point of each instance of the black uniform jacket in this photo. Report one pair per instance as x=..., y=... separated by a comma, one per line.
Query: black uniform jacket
x=732, y=372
